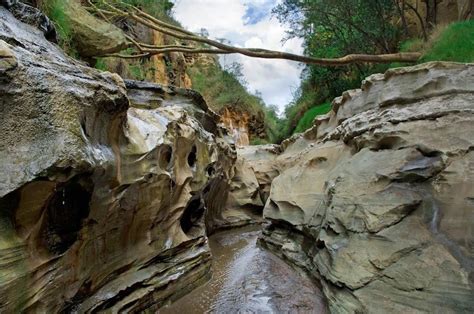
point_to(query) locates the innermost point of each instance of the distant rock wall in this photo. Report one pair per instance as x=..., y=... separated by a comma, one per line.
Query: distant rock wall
x=447, y=11
x=107, y=186
x=249, y=188
x=375, y=201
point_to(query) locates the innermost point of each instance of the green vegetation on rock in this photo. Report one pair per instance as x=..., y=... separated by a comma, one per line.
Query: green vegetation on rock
x=336, y=28
x=55, y=10
x=224, y=87
x=307, y=120
x=332, y=29
x=453, y=42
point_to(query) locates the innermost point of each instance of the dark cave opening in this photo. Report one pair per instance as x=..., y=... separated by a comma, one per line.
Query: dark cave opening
x=191, y=220
x=192, y=157
x=165, y=155
x=65, y=211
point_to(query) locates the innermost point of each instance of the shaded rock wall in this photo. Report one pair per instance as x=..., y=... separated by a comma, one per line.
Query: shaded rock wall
x=249, y=187
x=375, y=201
x=107, y=187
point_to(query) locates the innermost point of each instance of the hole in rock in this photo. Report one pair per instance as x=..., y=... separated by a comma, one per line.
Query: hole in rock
x=65, y=211
x=427, y=152
x=389, y=142
x=210, y=170
x=192, y=157
x=166, y=153
x=191, y=220
x=8, y=205
x=172, y=183
x=254, y=211
x=320, y=244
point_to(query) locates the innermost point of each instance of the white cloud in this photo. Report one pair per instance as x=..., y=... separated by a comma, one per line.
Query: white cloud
x=275, y=79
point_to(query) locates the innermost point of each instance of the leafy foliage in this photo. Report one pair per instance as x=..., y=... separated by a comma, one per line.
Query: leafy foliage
x=332, y=29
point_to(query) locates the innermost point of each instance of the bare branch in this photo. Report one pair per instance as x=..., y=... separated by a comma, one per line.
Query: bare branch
x=177, y=32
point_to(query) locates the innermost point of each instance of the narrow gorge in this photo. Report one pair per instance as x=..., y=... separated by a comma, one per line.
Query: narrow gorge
x=120, y=195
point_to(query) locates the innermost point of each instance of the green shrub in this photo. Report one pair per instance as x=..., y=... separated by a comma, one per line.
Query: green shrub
x=453, y=42
x=307, y=120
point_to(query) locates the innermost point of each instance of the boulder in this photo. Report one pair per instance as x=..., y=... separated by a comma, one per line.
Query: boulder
x=90, y=35
x=375, y=200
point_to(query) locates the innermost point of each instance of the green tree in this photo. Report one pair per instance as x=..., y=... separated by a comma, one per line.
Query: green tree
x=333, y=28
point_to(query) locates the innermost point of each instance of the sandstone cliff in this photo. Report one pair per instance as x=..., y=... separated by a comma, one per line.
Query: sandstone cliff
x=375, y=201
x=107, y=187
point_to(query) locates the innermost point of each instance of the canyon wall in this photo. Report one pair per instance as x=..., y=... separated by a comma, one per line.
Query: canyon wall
x=376, y=200
x=107, y=186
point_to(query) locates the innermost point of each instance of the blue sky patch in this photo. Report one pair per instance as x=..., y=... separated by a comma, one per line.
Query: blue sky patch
x=257, y=11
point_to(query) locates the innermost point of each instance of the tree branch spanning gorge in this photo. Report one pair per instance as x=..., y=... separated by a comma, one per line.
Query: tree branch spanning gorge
x=117, y=9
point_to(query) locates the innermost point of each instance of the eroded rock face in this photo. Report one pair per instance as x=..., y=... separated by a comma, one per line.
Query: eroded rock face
x=255, y=169
x=106, y=187
x=243, y=126
x=376, y=199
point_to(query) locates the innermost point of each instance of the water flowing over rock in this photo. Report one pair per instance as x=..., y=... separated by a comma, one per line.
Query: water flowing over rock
x=375, y=201
x=107, y=187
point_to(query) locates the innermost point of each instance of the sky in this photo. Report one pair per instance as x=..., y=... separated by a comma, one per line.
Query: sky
x=249, y=24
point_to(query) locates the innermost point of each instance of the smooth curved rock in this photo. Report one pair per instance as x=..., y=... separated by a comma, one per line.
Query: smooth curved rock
x=375, y=201
x=104, y=200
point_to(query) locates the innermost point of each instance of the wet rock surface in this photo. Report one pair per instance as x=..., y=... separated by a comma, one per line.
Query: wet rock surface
x=105, y=196
x=375, y=199
x=248, y=279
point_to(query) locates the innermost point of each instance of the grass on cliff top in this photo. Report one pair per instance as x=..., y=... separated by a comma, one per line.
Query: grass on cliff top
x=453, y=42
x=307, y=120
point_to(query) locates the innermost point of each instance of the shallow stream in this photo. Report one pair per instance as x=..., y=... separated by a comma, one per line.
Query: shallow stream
x=248, y=279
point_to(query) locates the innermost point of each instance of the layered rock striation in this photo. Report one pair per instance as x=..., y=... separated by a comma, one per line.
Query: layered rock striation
x=376, y=200
x=107, y=186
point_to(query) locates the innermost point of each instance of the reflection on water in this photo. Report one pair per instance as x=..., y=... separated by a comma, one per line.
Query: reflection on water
x=247, y=279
